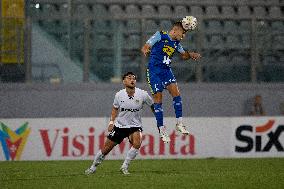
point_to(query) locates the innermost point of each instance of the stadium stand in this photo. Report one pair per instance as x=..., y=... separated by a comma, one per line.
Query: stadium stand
x=223, y=25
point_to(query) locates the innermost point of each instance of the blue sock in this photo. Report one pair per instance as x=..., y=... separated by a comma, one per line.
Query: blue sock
x=159, y=114
x=177, y=106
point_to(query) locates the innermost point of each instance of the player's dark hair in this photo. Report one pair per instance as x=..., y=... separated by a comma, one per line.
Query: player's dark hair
x=179, y=24
x=127, y=74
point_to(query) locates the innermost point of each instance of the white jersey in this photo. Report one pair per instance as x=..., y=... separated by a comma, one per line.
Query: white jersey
x=130, y=108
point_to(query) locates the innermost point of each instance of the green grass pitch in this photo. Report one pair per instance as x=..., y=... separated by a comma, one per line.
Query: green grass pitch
x=267, y=173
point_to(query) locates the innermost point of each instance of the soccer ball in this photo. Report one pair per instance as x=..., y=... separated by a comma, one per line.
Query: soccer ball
x=189, y=23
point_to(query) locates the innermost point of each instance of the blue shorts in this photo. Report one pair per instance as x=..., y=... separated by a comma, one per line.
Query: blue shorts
x=159, y=78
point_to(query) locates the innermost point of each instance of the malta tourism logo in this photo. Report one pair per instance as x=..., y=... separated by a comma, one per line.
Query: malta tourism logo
x=13, y=142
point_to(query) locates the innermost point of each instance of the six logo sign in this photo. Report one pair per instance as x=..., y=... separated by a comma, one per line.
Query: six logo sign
x=259, y=137
x=13, y=142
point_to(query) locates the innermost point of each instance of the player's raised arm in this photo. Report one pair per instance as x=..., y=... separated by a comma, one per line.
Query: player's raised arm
x=186, y=55
x=190, y=55
x=146, y=49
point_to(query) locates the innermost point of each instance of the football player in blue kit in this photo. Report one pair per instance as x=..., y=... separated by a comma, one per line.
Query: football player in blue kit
x=160, y=48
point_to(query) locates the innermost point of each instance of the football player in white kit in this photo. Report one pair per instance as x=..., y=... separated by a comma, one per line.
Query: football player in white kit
x=125, y=121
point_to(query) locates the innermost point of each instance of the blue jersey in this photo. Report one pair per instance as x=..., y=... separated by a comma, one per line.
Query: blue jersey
x=163, y=49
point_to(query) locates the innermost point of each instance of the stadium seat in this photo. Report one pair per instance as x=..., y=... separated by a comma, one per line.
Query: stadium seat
x=63, y=9
x=272, y=69
x=102, y=42
x=99, y=10
x=277, y=26
x=228, y=11
x=232, y=42
x=64, y=39
x=151, y=26
x=245, y=26
x=245, y=41
x=133, y=25
x=214, y=72
x=244, y=11
x=189, y=42
x=82, y=10
x=196, y=10
x=33, y=11
x=49, y=25
x=100, y=26
x=240, y=71
x=132, y=10
x=212, y=11
x=262, y=27
x=77, y=27
x=77, y=45
x=222, y=60
x=132, y=42
x=278, y=42
x=148, y=10
x=164, y=10
x=165, y=25
x=63, y=26
x=180, y=11
x=216, y=42
x=275, y=12
x=240, y=60
x=259, y=11
x=116, y=10
x=231, y=26
x=48, y=10
x=268, y=60
x=214, y=26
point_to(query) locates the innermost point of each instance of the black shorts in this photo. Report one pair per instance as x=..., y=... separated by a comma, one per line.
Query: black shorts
x=118, y=134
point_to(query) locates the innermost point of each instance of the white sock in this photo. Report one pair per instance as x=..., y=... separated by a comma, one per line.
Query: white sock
x=162, y=128
x=179, y=120
x=99, y=157
x=131, y=154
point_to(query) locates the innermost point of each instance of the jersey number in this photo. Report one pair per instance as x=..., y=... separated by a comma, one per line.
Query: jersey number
x=166, y=60
x=112, y=133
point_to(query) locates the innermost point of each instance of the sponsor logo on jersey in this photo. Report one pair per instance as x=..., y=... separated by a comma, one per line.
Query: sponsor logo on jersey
x=129, y=110
x=168, y=50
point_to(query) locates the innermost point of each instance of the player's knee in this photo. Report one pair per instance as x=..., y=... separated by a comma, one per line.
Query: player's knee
x=157, y=97
x=136, y=145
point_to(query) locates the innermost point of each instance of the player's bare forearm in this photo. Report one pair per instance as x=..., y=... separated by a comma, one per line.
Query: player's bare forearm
x=146, y=49
x=190, y=55
x=114, y=113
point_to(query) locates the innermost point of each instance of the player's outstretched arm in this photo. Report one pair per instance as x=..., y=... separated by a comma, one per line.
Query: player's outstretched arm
x=190, y=55
x=114, y=113
x=146, y=49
